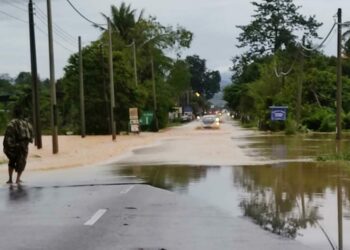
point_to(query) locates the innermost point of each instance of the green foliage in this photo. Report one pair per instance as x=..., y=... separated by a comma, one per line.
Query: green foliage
x=179, y=77
x=203, y=81
x=151, y=39
x=212, y=81
x=320, y=119
x=275, y=23
x=334, y=157
x=291, y=127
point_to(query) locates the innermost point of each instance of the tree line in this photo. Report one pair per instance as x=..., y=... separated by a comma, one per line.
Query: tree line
x=280, y=67
x=174, y=78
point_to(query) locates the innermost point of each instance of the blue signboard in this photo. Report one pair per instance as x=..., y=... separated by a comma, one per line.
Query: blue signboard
x=278, y=113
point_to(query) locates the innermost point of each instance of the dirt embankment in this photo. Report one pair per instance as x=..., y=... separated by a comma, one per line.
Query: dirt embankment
x=77, y=151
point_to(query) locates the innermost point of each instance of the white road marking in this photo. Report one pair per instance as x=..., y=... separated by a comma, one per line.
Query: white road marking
x=95, y=217
x=127, y=190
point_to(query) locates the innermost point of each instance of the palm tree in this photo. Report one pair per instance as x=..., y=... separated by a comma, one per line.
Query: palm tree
x=124, y=20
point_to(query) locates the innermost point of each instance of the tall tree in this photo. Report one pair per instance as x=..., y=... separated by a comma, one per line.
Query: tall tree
x=197, y=70
x=151, y=39
x=205, y=82
x=124, y=19
x=275, y=23
x=212, y=81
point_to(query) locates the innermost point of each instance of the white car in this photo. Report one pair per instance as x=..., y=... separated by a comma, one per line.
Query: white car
x=210, y=121
x=186, y=118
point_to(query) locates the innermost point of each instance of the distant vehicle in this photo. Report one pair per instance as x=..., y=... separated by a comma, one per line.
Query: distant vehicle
x=186, y=118
x=210, y=121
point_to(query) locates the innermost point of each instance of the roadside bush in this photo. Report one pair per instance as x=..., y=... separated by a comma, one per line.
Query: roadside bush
x=291, y=127
x=328, y=123
x=321, y=119
x=346, y=121
x=276, y=126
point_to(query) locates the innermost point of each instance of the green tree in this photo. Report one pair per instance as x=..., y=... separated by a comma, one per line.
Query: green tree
x=212, y=81
x=151, y=39
x=180, y=77
x=205, y=82
x=276, y=22
x=124, y=19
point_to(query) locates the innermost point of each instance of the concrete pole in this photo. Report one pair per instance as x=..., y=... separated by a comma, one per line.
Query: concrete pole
x=52, y=82
x=81, y=81
x=135, y=62
x=340, y=212
x=339, y=76
x=111, y=80
x=156, y=126
x=105, y=93
x=36, y=110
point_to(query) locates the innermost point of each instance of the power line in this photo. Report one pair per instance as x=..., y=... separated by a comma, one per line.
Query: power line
x=321, y=44
x=281, y=74
x=15, y=6
x=67, y=40
x=9, y=15
x=87, y=19
x=43, y=15
x=58, y=43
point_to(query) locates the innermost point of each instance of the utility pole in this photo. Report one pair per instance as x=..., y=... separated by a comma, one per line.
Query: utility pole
x=36, y=110
x=340, y=211
x=52, y=82
x=111, y=80
x=81, y=80
x=105, y=88
x=339, y=76
x=300, y=84
x=135, y=62
x=156, y=127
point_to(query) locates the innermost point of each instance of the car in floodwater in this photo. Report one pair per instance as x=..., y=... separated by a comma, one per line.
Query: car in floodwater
x=210, y=121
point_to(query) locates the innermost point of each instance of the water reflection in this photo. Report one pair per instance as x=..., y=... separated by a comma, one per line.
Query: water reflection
x=174, y=178
x=17, y=193
x=297, y=200
x=297, y=146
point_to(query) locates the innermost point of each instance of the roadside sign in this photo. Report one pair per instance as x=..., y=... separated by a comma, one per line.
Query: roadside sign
x=146, y=118
x=133, y=114
x=278, y=113
x=134, y=120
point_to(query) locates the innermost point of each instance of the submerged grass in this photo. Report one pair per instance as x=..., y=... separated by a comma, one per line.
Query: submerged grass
x=334, y=157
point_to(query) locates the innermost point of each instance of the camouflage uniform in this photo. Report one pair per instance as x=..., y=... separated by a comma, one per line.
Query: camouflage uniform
x=18, y=135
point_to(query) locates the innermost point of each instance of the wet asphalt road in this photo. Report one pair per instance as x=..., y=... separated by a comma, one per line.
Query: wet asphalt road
x=127, y=216
x=88, y=208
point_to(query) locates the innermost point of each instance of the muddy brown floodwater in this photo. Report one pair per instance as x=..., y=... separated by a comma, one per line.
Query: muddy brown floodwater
x=298, y=200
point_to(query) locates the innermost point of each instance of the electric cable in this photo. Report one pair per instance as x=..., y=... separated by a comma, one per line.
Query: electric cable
x=83, y=16
x=9, y=15
x=281, y=74
x=321, y=44
x=15, y=6
x=55, y=41
x=67, y=40
x=60, y=30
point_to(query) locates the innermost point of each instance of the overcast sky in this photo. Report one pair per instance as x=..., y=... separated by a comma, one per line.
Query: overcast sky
x=212, y=22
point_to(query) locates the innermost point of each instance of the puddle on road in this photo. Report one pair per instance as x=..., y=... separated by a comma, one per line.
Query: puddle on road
x=295, y=200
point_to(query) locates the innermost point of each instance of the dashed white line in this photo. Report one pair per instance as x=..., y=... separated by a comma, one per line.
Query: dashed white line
x=95, y=217
x=127, y=189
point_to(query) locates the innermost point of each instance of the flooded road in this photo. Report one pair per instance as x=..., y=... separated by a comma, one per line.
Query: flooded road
x=243, y=184
x=298, y=200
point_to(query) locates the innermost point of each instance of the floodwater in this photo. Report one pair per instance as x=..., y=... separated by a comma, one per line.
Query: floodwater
x=306, y=201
